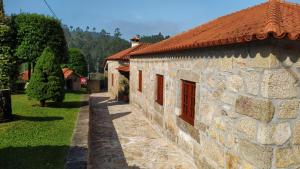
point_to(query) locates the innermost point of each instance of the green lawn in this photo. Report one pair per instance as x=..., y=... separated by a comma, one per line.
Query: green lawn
x=38, y=138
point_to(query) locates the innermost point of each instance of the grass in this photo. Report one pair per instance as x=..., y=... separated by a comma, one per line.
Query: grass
x=38, y=138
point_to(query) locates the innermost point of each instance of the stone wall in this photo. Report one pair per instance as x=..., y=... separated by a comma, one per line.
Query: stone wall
x=75, y=86
x=94, y=86
x=247, y=103
x=118, y=77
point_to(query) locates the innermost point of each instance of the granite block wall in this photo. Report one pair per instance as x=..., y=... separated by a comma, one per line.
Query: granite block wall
x=247, y=103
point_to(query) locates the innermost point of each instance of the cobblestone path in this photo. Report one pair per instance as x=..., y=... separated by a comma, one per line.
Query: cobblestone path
x=122, y=139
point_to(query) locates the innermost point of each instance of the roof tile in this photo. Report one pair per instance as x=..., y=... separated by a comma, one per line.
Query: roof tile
x=124, y=54
x=275, y=18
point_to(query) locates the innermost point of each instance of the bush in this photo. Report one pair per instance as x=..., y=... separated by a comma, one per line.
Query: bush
x=47, y=82
x=77, y=62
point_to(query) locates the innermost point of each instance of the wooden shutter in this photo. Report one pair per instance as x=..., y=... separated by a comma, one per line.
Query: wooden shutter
x=140, y=81
x=112, y=79
x=160, y=89
x=188, y=101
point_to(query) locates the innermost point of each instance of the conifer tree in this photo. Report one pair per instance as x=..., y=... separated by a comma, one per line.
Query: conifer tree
x=47, y=82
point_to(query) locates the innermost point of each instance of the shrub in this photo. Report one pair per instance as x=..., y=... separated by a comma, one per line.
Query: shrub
x=77, y=61
x=47, y=82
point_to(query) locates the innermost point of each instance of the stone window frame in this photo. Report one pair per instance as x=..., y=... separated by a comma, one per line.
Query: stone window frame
x=158, y=71
x=188, y=115
x=187, y=75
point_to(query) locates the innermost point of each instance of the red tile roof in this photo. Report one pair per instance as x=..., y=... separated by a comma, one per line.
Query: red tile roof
x=68, y=72
x=274, y=18
x=124, y=68
x=124, y=54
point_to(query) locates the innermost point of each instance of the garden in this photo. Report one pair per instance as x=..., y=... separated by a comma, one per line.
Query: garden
x=36, y=121
x=38, y=137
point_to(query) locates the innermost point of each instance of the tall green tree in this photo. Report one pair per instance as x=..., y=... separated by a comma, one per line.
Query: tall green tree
x=7, y=60
x=8, y=66
x=47, y=82
x=36, y=32
x=77, y=61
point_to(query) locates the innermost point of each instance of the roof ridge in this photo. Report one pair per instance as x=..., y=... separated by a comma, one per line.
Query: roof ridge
x=271, y=19
x=208, y=23
x=274, y=19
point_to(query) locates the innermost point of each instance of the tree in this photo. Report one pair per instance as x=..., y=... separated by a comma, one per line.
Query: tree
x=7, y=61
x=8, y=66
x=36, y=32
x=117, y=33
x=154, y=38
x=95, y=46
x=47, y=82
x=77, y=61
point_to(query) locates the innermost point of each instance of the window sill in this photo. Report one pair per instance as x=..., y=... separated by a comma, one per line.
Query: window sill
x=191, y=122
x=188, y=128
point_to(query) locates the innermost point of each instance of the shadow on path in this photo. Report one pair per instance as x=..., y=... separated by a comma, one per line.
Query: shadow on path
x=105, y=147
x=74, y=104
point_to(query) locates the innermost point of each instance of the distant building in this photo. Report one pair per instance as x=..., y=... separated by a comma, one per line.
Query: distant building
x=72, y=80
x=118, y=67
x=227, y=92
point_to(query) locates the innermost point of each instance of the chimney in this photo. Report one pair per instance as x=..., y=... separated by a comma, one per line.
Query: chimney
x=135, y=41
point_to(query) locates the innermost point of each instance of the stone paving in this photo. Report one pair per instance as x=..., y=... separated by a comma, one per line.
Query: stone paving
x=123, y=139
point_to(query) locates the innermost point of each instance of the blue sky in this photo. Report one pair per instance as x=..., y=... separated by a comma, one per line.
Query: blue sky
x=144, y=17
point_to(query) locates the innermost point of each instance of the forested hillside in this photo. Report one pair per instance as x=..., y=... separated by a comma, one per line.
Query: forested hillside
x=96, y=46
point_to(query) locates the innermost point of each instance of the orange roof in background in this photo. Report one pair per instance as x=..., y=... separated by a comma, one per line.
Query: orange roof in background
x=124, y=68
x=68, y=72
x=124, y=54
x=274, y=18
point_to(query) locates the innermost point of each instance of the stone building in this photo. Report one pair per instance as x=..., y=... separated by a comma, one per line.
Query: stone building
x=72, y=80
x=117, y=67
x=227, y=92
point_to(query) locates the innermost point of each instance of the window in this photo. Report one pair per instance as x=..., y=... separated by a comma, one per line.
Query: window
x=140, y=80
x=160, y=89
x=112, y=79
x=188, y=101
